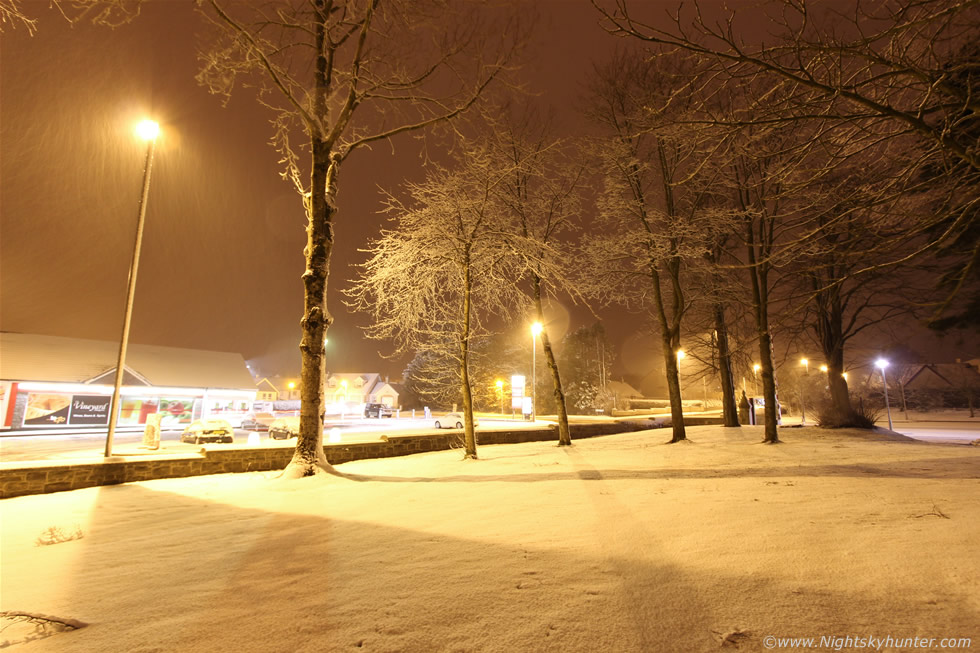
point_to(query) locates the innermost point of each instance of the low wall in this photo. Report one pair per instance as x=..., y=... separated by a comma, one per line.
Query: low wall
x=17, y=479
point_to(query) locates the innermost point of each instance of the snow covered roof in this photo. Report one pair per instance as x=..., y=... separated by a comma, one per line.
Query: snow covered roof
x=622, y=389
x=29, y=357
x=944, y=376
x=368, y=383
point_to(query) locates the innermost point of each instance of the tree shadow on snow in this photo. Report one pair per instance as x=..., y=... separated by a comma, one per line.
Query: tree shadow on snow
x=273, y=580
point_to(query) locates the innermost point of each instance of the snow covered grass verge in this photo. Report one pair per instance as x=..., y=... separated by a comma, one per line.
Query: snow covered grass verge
x=619, y=543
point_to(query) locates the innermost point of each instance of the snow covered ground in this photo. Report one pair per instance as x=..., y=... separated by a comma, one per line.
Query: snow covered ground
x=619, y=543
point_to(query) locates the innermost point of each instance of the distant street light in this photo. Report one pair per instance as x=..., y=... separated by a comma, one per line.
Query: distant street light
x=755, y=371
x=806, y=373
x=500, y=394
x=148, y=131
x=292, y=386
x=823, y=368
x=535, y=330
x=882, y=364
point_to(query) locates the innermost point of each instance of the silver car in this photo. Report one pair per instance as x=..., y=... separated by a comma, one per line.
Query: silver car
x=453, y=421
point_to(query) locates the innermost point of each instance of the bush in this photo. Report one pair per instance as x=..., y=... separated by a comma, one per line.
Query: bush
x=861, y=417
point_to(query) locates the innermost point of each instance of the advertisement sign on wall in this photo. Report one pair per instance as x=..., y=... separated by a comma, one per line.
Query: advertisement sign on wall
x=47, y=409
x=89, y=410
x=176, y=411
x=59, y=409
x=6, y=391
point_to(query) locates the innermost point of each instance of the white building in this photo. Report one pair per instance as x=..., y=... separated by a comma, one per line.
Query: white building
x=50, y=382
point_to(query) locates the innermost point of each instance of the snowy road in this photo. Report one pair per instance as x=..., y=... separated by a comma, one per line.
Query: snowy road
x=951, y=432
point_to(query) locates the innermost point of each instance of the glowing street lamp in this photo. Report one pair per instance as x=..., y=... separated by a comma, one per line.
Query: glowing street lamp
x=148, y=131
x=823, y=368
x=881, y=363
x=292, y=386
x=806, y=372
x=755, y=371
x=535, y=330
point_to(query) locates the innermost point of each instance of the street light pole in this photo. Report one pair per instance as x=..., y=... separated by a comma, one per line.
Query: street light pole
x=680, y=387
x=535, y=330
x=806, y=373
x=882, y=364
x=755, y=383
x=148, y=130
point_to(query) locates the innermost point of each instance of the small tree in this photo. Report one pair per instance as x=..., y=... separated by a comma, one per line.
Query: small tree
x=446, y=266
x=586, y=358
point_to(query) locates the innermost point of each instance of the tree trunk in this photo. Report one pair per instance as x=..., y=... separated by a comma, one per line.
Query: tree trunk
x=674, y=389
x=830, y=331
x=309, y=458
x=839, y=396
x=769, y=387
x=564, y=436
x=469, y=432
x=758, y=250
x=728, y=403
x=670, y=341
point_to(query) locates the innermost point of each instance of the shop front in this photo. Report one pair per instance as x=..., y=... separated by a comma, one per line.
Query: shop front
x=33, y=405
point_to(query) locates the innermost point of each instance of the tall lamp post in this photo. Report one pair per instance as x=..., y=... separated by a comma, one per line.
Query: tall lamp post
x=148, y=131
x=535, y=330
x=806, y=373
x=755, y=372
x=882, y=364
x=500, y=394
x=680, y=388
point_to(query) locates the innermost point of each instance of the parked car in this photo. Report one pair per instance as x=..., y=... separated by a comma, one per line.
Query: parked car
x=453, y=421
x=208, y=430
x=377, y=410
x=257, y=421
x=284, y=428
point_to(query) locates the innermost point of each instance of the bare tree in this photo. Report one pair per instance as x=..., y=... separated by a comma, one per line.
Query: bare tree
x=344, y=74
x=541, y=190
x=880, y=70
x=109, y=13
x=844, y=292
x=448, y=264
x=652, y=236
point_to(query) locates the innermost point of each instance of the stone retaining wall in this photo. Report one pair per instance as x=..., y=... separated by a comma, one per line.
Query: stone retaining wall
x=18, y=479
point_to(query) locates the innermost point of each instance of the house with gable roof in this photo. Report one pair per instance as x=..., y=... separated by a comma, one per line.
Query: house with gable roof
x=351, y=389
